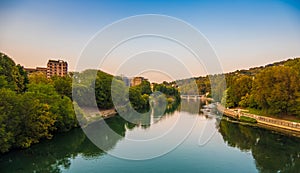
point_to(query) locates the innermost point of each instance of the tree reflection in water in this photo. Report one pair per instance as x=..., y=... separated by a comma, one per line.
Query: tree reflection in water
x=52, y=155
x=272, y=152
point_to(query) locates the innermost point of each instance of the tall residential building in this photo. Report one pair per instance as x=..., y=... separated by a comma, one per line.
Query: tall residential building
x=57, y=68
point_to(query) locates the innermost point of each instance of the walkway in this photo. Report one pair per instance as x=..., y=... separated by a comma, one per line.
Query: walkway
x=261, y=119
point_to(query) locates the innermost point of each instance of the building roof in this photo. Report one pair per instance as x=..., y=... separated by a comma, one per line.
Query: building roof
x=57, y=61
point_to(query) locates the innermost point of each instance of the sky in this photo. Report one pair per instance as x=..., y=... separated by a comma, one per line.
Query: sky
x=243, y=33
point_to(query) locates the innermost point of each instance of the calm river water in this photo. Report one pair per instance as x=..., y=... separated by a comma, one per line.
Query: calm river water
x=187, y=139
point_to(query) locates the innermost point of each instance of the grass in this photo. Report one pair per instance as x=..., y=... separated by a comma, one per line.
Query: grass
x=256, y=112
x=247, y=119
x=264, y=113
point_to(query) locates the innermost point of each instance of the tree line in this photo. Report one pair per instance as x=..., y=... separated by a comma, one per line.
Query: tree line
x=271, y=89
x=274, y=89
x=34, y=107
x=109, y=91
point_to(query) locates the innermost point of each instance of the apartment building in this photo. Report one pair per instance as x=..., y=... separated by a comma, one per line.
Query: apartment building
x=57, y=68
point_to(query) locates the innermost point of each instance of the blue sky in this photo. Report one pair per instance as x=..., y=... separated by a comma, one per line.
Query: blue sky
x=244, y=33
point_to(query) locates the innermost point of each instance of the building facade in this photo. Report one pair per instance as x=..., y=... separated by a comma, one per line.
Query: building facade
x=57, y=68
x=34, y=70
x=136, y=81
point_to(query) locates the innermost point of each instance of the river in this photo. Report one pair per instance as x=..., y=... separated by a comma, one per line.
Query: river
x=192, y=140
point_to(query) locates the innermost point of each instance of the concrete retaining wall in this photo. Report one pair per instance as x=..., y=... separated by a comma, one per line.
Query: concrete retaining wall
x=261, y=119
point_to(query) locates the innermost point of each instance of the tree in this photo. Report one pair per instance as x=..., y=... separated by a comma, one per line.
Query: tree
x=60, y=107
x=14, y=76
x=63, y=85
x=37, y=121
x=137, y=100
x=145, y=87
x=3, y=82
x=22, y=79
x=9, y=118
x=218, y=86
x=238, y=90
x=34, y=111
x=66, y=118
x=38, y=78
x=103, y=90
x=119, y=93
x=83, y=95
x=275, y=89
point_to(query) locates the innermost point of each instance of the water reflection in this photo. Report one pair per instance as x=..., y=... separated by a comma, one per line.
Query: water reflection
x=272, y=152
x=191, y=106
x=49, y=156
x=52, y=155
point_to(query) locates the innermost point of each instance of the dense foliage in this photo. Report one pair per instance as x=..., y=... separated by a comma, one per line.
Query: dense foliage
x=104, y=85
x=187, y=86
x=12, y=76
x=33, y=107
x=138, y=98
x=274, y=89
x=171, y=92
x=271, y=89
x=272, y=152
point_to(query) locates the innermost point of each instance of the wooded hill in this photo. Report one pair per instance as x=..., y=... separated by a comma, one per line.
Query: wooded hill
x=270, y=89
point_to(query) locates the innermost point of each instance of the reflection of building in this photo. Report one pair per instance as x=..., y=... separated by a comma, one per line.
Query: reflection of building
x=136, y=81
x=57, y=68
x=38, y=69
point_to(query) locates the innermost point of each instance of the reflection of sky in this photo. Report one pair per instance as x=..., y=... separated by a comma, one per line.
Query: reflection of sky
x=244, y=33
x=188, y=156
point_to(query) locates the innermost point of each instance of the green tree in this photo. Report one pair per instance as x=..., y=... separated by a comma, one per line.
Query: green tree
x=145, y=87
x=66, y=118
x=218, y=86
x=9, y=118
x=83, y=95
x=137, y=100
x=34, y=111
x=38, y=78
x=119, y=93
x=63, y=85
x=60, y=107
x=3, y=82
x=275, y=90
x=37, y=121
x=103, y=90
x=14, y=75
x=238, y=90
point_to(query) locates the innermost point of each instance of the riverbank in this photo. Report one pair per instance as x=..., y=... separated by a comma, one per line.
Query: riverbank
x=95, y=114
x=262, y=121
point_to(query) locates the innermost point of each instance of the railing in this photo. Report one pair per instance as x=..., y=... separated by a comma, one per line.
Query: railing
x=261, y=119
x=195, y=97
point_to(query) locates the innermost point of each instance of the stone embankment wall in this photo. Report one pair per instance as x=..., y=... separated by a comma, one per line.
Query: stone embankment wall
x=289, y=125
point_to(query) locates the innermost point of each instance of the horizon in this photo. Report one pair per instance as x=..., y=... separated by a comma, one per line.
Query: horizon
x=115, y=75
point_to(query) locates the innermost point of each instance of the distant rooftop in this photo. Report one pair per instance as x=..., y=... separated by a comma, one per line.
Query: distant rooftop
x=57, y=61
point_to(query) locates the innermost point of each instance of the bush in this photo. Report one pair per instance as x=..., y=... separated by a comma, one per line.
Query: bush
x=247, y=119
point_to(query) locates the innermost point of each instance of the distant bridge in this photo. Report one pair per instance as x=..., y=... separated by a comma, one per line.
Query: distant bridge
x=193, y=97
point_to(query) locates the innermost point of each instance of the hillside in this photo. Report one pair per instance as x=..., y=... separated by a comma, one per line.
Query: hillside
x=271, y=89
